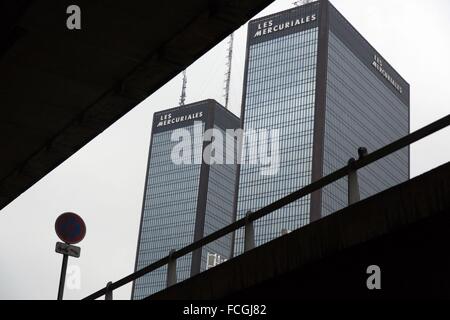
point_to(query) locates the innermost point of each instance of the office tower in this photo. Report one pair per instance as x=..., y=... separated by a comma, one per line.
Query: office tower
x=187, y=195
x=313, y=77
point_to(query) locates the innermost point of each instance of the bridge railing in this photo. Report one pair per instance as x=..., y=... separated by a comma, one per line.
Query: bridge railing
x=350, y=170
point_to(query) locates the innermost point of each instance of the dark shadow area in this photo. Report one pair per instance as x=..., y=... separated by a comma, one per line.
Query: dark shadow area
x=403, y=230
x=60, y=88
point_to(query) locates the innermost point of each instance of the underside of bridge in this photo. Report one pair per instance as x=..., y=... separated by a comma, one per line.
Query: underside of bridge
x=60, y=88
x=404, y=231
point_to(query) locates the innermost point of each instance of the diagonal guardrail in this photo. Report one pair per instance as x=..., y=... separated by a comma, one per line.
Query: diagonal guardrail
x=350, y=169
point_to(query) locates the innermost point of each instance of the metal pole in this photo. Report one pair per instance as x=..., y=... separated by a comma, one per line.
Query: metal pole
x=62, y=279
x=109, y=292
x=353, y=183
x=249, y=240
x=171, y=270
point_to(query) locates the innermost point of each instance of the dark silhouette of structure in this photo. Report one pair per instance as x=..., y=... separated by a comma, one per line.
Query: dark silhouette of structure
x=61, y=87
x=403, y=230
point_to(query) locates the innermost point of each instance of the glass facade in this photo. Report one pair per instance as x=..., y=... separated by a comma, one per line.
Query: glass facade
x=221, y=187
x=279, y=95
x=363, y=109
x=184, y=202
x=360, y=113
x=313, y=77
x=169, y=214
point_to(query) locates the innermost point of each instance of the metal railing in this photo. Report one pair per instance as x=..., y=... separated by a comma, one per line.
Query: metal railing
x=249, y=240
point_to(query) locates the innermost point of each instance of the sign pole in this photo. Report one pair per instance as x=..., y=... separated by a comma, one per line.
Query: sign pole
x=62, y=279
x=71, y=229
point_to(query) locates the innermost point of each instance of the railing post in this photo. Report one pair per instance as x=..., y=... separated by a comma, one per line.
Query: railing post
x=249, y=240
x=353, y=184
x=171, y=270
x=109, y=292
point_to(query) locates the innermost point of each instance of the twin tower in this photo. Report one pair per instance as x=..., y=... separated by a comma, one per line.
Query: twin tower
x=314, y=92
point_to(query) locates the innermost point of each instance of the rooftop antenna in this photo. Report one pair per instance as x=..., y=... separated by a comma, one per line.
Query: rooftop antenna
x=228, y=72
x=302, y=2
x=183, y=89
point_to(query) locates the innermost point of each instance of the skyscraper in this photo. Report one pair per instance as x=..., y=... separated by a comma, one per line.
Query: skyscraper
x=187, y=195
x=313, y=77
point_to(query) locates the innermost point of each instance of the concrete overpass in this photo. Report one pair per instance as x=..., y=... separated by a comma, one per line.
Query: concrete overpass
x=404, y=230
x=60, y=88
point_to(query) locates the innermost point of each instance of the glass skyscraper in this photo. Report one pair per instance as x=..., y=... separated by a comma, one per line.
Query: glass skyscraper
x=313, y=77
x=184, y=202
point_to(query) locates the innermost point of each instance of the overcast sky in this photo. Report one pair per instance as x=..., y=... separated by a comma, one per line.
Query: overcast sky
x=104, y=181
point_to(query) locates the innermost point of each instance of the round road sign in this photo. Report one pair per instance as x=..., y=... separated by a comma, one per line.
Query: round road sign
x=70, y=228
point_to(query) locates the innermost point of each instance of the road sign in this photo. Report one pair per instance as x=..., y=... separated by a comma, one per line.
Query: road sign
x=64, y=248
x=70, y=228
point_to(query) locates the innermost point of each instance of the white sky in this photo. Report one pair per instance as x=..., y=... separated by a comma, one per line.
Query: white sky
x=104, y=181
